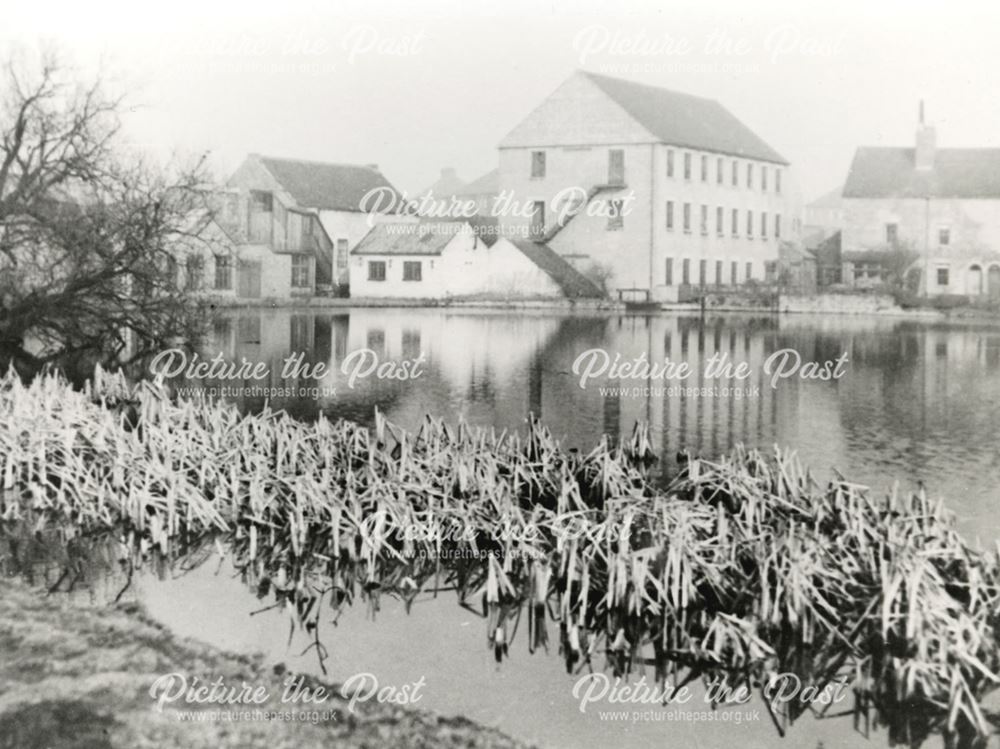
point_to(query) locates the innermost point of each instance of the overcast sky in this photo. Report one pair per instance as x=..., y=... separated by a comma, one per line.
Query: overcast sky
x=415, y=86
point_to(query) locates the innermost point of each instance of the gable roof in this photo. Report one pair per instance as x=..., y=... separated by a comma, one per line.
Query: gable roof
x=488, y=184
x=449, y=183
x=574, y=284
x=686, y=120
x=880, y=172
x=830, y=199
x=406, y=238
x=328, y=187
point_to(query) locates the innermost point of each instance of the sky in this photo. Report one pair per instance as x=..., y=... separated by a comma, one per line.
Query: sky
x=420, y=85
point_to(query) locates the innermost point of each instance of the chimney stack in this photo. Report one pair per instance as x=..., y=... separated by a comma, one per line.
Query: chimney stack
x=926, y=143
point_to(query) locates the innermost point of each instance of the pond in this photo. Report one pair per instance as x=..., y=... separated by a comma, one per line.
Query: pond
x=917, y=403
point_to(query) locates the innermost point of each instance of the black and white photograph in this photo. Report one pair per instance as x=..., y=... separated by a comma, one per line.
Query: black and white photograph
x=566, y=375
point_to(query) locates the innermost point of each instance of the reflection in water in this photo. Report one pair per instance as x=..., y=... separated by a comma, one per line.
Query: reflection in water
x=919, y=403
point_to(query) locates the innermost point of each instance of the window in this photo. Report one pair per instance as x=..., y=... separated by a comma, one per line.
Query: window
x=736, y=174
x=704, y=219
x=686, y=271
x=891, y=233
x=718, y=273
x=376, y=270
x=375, y=340
x=413, y=270
x=942, y=276
x=763, y=179
x=261, y=201
x=763, y=225
x=687, y=165
x=616, y=167
x=223, y=272
x=248, y=330
x=719, y=220
x=750, y=176
x=300, y=271
x=260, y=216
x=687, y=218
x=537, y=226
x=702, y=272
x=411, y=344
x=749, y=224
x=732, y=272
x=616, y=215
x=537, y=164
x=749, y=276
x=341, y=256
x=718, y=170
x=195, y=271
x=944, y=236
x=736, y=222
x=777, y=180
x=777, y=226
x=704, y=168
x=670, y=162
x=668, y=277
x=670, y=215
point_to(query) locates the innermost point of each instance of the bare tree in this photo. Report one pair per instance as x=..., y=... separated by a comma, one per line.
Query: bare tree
x=88, y=244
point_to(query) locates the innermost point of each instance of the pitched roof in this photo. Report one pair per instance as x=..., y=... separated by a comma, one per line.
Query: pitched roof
x=686, y=120
x=830, y=199
x=488, y=184
x=574, y=284
x=449, y=183
x=879, y=172
x=407, y=238
x=329, y=187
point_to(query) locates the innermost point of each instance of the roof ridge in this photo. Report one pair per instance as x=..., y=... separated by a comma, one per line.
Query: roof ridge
x=641, y=84
x=314, y=162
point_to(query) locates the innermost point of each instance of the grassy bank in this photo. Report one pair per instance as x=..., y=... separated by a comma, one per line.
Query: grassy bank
x=79, y=676
x=741, y=570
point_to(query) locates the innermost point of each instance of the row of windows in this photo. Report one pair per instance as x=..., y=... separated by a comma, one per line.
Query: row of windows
x=720, y=216
x=413, y=270
x=753, y=176
x=223, y=281
x=616, y=169
x=616, y=165
x=723, y=273
x=892, y=235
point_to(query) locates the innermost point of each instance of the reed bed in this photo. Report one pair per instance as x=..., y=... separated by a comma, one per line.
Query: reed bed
x=740, y=569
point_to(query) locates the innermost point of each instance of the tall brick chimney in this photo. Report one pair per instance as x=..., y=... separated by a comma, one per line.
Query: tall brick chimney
x=926, y=143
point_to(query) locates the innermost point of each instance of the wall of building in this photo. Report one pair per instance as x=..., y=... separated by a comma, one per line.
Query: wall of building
x=974, y=241
x=576, y=128
x=466, y=267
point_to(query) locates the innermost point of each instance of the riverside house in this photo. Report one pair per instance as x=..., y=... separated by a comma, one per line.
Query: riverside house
x=940, y=204
x=247, y=250
x=460, y=259
x=655, y=191
x=345, y=199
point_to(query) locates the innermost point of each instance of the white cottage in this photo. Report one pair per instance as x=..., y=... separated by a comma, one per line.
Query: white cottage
x=459, y=259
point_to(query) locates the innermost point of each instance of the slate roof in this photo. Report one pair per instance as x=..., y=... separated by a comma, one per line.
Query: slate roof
x=880, y=172
x=404, y=239
x=328, y=187
x=686, y=120
x=574, y=284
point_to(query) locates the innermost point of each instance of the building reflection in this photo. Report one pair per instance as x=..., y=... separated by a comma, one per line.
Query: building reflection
x=919, y=402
